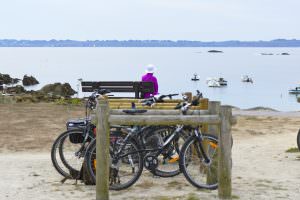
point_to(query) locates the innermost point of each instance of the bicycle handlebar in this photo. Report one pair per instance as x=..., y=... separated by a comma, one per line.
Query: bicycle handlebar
x=152, y=100
x=184, y=106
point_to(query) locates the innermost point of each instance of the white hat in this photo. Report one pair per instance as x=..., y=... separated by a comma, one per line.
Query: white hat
x=150, y=68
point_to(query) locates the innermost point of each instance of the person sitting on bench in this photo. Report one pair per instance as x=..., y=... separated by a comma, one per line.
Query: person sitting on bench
x=149, y=77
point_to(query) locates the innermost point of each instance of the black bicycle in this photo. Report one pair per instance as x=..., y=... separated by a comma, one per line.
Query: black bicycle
x=68, y=150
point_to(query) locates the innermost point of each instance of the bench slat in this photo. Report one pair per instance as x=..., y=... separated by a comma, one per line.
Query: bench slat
x=137, y=87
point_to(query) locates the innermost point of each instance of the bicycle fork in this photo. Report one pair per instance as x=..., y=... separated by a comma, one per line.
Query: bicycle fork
x=199, y=148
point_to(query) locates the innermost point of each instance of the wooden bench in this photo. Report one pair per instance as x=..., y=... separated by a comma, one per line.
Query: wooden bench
x=139, y=88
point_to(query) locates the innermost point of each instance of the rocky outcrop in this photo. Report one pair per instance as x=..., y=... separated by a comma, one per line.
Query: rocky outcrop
x=215, y=51
x=29, y=80
x=19, y=89
x=6, y=79
x=64, y=90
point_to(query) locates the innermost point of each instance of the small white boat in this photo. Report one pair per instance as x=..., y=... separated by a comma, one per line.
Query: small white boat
x=216, y=82
x=212, y=82
x=246, y=79
x=195, y=78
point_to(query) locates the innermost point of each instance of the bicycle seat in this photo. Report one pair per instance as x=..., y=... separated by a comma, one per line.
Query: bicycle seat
x=134, y=111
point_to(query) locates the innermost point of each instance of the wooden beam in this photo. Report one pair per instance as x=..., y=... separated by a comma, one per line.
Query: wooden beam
x=161, y=112
x=155, y=107
x=163, y=120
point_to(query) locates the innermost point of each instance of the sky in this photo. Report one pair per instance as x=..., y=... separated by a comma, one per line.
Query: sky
x=203, y=20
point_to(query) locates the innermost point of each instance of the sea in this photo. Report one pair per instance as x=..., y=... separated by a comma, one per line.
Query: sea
x=273, y=75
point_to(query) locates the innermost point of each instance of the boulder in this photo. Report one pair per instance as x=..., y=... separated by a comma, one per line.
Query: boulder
x=29, y=80
x=19, y=89
x=215, y=51
x=6, y=79
x=64, y=90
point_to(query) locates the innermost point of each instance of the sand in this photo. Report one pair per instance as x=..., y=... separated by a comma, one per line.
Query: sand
x=261, y=167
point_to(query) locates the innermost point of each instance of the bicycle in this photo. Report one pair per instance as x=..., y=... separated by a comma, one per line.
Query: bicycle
x=69, y=148
x=198, y=155
x=128, y=158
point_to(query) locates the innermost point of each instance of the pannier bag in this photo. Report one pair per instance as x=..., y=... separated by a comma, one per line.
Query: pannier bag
x=75, y=124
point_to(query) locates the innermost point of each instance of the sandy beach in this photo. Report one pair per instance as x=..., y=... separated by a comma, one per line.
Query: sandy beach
x=261, y=167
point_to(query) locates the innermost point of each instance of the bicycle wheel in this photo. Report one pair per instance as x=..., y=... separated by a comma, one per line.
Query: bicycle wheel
x=67, y=153
x=127, y=170
x=168, y=160
x=298, y=139
x=193, y=166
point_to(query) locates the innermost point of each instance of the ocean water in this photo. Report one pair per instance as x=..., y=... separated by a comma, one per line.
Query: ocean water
x=273, y=75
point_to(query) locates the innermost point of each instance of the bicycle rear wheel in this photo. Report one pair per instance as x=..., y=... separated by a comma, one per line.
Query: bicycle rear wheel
x=63, y=154
x=168, y=160
x=199, y=173
x=127, y=170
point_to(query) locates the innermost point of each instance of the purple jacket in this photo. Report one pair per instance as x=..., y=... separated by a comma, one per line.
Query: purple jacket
x=150, y=78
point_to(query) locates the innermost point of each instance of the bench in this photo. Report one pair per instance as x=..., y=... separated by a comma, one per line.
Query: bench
x=139, y=88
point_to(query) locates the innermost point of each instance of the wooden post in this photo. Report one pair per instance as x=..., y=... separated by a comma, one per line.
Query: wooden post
x=102, y=151
x=213, y=109
x=224, y=153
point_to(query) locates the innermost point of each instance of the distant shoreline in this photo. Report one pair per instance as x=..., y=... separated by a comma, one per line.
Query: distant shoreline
x=293, y=43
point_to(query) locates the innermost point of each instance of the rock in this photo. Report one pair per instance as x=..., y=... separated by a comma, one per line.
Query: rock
x=215, y=51
x=29, y=80
x=6, y=79
x=267, y=54
x=64, y=90
x=19, y=89
x=285, y=54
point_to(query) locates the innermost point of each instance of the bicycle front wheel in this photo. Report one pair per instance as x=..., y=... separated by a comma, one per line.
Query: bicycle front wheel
x=192, y=164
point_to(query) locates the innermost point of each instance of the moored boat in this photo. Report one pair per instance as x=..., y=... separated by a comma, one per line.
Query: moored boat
x=246, y=79
x=222, y=81
x=295, y=91
x=195, y=78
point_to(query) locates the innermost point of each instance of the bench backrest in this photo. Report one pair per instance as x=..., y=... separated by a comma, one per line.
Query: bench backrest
x=139, y=88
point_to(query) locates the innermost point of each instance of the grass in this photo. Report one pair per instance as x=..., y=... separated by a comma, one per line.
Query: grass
x=292, y=150
x=72, y=101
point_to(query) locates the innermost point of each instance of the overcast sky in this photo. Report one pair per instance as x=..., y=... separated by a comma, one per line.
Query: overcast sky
x=204, y=20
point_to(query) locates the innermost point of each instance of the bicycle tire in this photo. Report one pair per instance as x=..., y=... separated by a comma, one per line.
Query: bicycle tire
x=201, y=165
x=90, y=157
x=162, y=170
x=61, y=168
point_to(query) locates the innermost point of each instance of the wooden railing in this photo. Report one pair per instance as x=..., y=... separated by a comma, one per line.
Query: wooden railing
x=218, y=118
